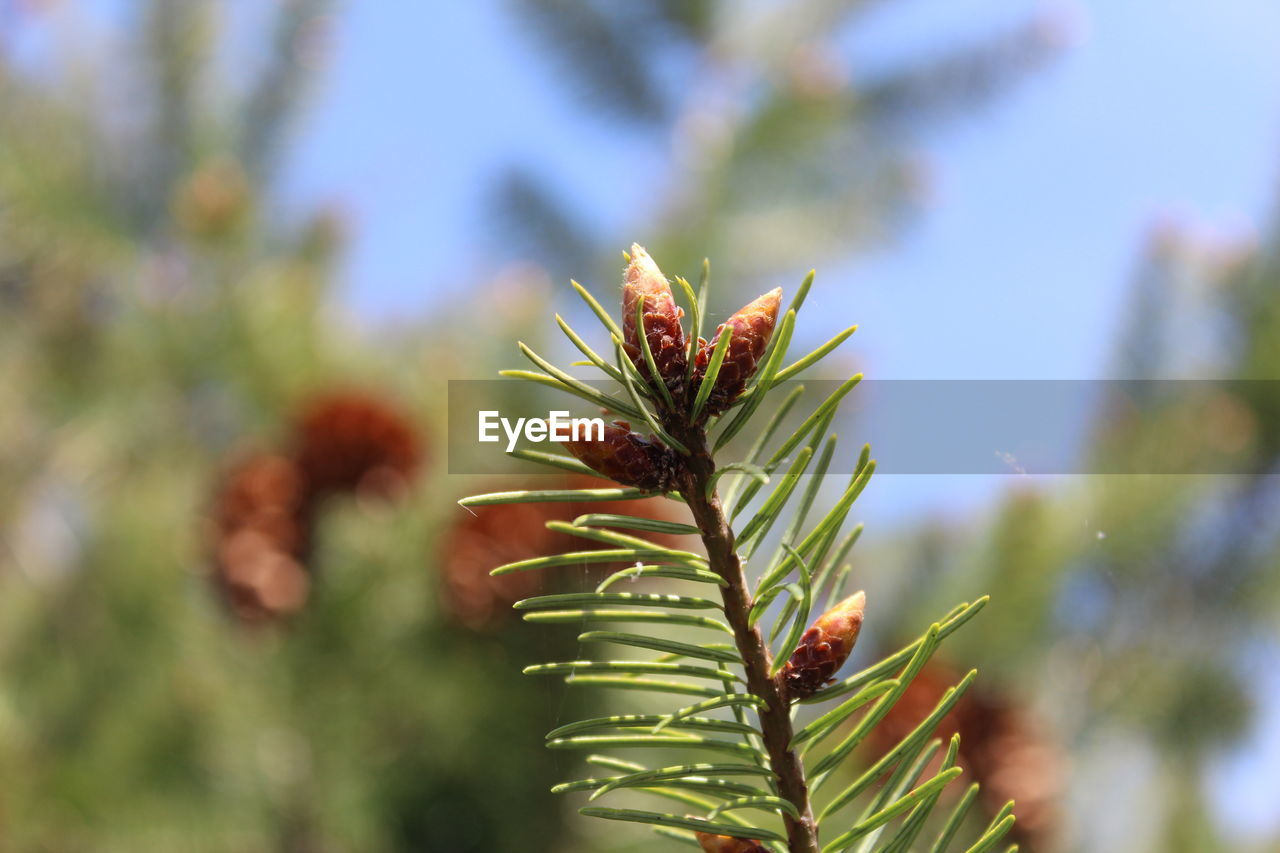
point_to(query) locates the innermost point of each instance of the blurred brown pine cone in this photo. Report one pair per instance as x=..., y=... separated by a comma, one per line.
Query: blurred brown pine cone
x=1001, y=745
x=261, y=532
x=347, y=441
x=486, y=537
x=265, y=507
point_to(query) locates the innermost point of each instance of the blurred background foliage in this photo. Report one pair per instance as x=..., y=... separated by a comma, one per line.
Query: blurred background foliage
x=212, y=639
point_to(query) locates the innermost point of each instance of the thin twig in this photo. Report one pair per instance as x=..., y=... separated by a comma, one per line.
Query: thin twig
x=775, y=718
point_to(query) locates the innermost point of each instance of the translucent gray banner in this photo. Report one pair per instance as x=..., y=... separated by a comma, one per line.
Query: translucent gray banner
x=938, y=426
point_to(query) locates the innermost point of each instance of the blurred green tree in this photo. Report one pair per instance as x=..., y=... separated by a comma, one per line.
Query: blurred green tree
x=1135, y=606
x=161, y=316
x=773, y=134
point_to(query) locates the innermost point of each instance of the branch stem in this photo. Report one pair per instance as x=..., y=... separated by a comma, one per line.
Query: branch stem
x=775, y=717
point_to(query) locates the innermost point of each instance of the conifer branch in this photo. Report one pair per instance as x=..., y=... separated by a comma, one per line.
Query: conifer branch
x=678, y=387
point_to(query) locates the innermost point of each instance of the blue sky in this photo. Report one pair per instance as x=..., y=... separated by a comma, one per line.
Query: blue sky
x=1018, y=268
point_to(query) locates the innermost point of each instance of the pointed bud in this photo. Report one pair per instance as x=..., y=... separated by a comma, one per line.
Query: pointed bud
x=752, y=328
x=824, y=647
x=728, y=844
x=661, y=320
x=628, y=458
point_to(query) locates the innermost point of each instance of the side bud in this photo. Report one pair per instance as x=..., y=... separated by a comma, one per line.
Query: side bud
x=661, y=320
x=628, y=458
x=752, y=328
x=824, y=647
x=729, y=844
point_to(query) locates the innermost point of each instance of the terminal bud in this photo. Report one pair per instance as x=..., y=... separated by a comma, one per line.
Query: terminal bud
x=661, y=320
x=752, y=327
x=824, y=648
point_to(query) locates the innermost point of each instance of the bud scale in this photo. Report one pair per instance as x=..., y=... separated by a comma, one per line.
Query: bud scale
x=628, y=458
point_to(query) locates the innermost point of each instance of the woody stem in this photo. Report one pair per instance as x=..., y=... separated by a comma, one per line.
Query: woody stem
x=775, y=717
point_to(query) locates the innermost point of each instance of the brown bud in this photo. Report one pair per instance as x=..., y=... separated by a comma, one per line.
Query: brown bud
x=628, y=458
x=661, y=320
x=728, y=844
x=824, y=647
x=752, y=328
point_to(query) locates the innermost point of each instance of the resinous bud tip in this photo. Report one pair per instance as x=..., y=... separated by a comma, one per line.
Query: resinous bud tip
x=662, y=329
x=825, y=647
x=752, y=328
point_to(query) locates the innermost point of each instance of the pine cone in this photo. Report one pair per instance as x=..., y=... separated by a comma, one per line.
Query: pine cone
x=661, y=322
x=752, y=328
x=490, y=536
x=487, y=537
x=261, y=524
x=824, y=648
x=265, y=507
x=729, y=844
x=347, y=441
x=264, y=493
x=629, y=458
x=1000, y=745
x=1013, y=759
x=261, y=582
